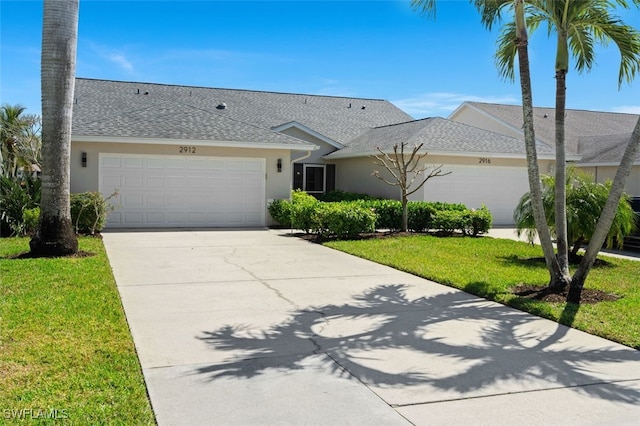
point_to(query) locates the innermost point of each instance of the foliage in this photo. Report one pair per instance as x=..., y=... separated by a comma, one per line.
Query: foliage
x=30, y=220
x=420, y=215
x=491, y=268
x=477, y=221
x=346, y=219
x=343, y=220
x=302, y=210
x=17, y=195
x=281, y=211
x=20, y=142
x=389, y=213
x=585, y=201
x=65, y=339
x=89, y=211
x=338, y=195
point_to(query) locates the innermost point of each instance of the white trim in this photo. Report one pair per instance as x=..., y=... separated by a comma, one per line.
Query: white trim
x=308, y=130
x=304, y=146
x=333, y=156
x=304, y=177
x=606, y=164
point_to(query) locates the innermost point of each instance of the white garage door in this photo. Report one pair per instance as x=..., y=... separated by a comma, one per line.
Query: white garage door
x=168, y=191
x=498, y=188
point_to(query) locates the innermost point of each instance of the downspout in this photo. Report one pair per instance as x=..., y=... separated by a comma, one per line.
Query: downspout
x=304, y=157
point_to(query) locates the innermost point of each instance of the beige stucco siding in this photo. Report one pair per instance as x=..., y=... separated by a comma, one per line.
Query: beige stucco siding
x=472, y=117
x=86, y=178
x=603, y=173
x=324, y=148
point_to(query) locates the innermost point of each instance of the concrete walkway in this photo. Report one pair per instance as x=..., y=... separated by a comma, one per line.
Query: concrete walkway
x=261, y=328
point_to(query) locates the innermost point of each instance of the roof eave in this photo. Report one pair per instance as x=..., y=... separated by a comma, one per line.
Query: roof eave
x=303, y=146
x=337, y=155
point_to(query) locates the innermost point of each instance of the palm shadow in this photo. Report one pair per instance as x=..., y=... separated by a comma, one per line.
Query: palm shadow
x=491, y=344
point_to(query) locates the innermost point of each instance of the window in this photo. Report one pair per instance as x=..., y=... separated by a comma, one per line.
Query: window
x=314, y=178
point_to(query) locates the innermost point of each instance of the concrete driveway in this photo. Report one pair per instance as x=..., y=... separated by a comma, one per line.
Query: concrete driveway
x=258, y=327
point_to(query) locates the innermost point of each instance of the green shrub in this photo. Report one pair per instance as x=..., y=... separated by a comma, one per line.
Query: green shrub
x=389, y=213
x=303, y=207
x=89, y=211
x=338, y=195
x=478, y=221
x=17, y=195
x=420, y=213
x=446, y=222
x=30, y=219
x=344, y=219
x=280, y=211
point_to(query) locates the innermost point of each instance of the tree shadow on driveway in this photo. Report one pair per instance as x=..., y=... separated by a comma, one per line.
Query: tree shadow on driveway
x=447, y=346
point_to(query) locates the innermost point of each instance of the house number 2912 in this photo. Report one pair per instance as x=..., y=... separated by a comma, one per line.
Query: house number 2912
x=187, y=150
x=484, y=160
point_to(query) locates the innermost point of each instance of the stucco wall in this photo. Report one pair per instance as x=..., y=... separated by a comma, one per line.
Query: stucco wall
x=86, y=178
x=475, y=118
x=602, y=173
x=316, y=156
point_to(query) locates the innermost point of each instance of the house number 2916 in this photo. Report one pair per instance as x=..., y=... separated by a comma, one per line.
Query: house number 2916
x=484, y=160
x=187, y=150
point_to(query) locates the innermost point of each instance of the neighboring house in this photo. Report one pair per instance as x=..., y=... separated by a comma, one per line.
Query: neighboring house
x=595, y=141
x=205, y=157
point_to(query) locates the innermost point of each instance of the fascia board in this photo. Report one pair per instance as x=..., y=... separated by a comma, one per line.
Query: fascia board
x=222, y=144
x=447, y=154
x=308, y=130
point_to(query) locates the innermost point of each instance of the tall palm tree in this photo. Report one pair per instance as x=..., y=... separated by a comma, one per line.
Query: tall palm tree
x=55, y=236
x=579, y=26
x=491, y=12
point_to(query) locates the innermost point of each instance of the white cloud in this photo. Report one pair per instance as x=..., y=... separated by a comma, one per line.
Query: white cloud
x=121, y=61
x=442, y=104
x=628, y=109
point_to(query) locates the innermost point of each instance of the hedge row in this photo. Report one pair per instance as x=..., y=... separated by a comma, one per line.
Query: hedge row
x=346, y=219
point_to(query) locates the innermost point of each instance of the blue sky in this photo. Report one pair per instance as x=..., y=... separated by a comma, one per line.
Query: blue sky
x=368, y=49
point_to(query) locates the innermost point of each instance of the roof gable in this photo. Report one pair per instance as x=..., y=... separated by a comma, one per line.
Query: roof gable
x=578, y=123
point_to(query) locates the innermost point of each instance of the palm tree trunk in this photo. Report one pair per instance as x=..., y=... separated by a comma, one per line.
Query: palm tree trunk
x=530, y=145
x=561, y=182
x=606, y=217
x=55, y=236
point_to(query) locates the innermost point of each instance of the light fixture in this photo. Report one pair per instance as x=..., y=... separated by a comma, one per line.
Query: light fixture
x=279, y=165
x=83, y=159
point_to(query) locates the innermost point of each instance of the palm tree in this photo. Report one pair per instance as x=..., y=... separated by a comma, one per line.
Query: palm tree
x=491, y=12
x=55, y=236
x=12, y=125
x=585, y=201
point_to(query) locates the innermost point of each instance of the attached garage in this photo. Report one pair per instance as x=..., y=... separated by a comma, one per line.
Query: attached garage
x=179, y=191
x=498, y=188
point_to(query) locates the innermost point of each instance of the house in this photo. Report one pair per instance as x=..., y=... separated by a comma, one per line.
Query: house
x=182, y=156
x=194, y=157
x=595, y=141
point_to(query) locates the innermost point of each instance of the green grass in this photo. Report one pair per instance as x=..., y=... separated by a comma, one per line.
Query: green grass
x=490, y=267
x=64, y=341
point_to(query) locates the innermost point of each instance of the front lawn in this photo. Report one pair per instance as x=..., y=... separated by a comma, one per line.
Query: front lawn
x=491, y=268
x=66, y=354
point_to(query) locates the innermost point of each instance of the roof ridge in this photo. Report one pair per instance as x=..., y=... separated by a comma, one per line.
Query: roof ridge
x=230, y=89
x=553, y=108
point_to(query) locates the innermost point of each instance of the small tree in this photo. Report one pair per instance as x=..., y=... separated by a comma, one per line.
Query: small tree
x=407, y=172
x=585, y=202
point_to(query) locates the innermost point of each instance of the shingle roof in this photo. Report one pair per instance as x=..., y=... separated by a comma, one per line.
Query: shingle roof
x=143, y=110
x=578, y=123
x=604, y=149
x=438, y=135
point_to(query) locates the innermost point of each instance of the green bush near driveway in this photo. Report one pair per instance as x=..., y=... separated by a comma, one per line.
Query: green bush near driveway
x=64, y=341
x=491, y=268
